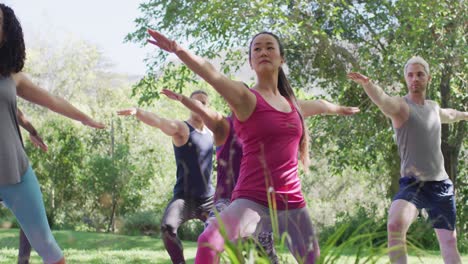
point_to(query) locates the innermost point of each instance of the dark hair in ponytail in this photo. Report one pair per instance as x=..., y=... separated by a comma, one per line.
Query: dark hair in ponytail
x=286, y=90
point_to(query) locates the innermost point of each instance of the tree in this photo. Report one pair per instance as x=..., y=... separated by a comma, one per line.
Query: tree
x=77, y=71
x=324, y=40
x=116, y=181
x=59, y=168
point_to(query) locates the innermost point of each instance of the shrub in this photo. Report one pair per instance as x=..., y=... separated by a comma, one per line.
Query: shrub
x=142, y=223
x=190, y=230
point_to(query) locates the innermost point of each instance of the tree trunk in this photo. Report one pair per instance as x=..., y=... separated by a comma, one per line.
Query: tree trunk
x=51, y=213
x=393, y=163
x=451, y=147
x=111, y=226
x=452, y=139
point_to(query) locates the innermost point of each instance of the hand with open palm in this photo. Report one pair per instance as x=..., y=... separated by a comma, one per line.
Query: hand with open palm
x=172, y=95
x=161, y=41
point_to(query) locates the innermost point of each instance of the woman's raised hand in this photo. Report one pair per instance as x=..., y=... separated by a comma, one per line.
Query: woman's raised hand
x=128, y=111
x=358, y=78
x=172, y=95
x=161, y=41
x=348, y=110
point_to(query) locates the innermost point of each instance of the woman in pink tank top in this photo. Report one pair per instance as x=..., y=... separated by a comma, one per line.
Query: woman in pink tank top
x=269, y=121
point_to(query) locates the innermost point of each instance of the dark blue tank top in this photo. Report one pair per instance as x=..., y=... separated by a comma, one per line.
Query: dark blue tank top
x=194, y=162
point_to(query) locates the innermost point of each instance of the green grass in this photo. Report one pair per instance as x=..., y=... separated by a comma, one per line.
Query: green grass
x=98, y=248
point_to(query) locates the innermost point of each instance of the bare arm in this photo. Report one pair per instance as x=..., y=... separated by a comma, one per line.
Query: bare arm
x=212, y=119
x=24, y=122
x=172, y=128
x=33, y=135
x=448, y=115
x=240, y=99
x=390, y=106
x=33, y=93
x=316, y=107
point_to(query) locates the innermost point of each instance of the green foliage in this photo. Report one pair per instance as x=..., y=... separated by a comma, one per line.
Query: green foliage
x=94, y=248
x=324, y=40
x=116, y=178
x=142, y=223
x=349, y=226
x=174, y=77
x=86, y=186
x=191, y=230
x=58, y=169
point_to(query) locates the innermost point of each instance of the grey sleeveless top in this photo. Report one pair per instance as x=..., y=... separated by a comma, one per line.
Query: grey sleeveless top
x=419, y=141
x=13, y=159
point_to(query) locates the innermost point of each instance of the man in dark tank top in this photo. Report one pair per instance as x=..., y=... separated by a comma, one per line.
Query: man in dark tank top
x=193, y=191
x=424, y=182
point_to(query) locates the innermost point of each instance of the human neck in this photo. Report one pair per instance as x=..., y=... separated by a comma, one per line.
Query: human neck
x=196, y=123
x=267, y=84
x=417, y=98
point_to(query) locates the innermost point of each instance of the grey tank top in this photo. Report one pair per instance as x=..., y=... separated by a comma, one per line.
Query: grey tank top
x=13, y=159
x=419, y=141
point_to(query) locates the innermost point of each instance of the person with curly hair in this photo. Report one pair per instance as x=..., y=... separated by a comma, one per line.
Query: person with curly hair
x=19, y=188
x=24, y=251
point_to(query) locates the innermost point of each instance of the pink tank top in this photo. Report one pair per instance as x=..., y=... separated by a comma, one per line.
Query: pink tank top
x=270, y=156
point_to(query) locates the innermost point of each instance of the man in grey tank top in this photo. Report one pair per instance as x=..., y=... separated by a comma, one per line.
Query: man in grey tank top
x=424, y=182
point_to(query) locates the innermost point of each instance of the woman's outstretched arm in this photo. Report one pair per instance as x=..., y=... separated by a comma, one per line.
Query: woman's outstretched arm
x=215, y=122
x=240, y=99
x=33, y=93
x=320, y=106
x=33, y=135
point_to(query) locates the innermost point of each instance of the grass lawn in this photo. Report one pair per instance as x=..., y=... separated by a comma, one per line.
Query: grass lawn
x=84, y=247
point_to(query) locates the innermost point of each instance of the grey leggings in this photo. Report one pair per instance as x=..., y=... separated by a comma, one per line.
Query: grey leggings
x=265, y=239
x=244, y=218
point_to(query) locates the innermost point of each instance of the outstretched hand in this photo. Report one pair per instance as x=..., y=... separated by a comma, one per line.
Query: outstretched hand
x=358, y=78
x=128, y=111
x=348, y=110
x=38, y=142
x=161, y=41
x=172, y=95
x=94, y=124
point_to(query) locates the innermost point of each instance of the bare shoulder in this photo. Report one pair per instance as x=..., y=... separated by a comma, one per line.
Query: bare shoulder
x=433, y=103
x=21, y=80
x=183, y=127
x=182, y=134
x=399, y=99
x=18, y=77
x=397, y=106
x=402, y=113
x=245, y=91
